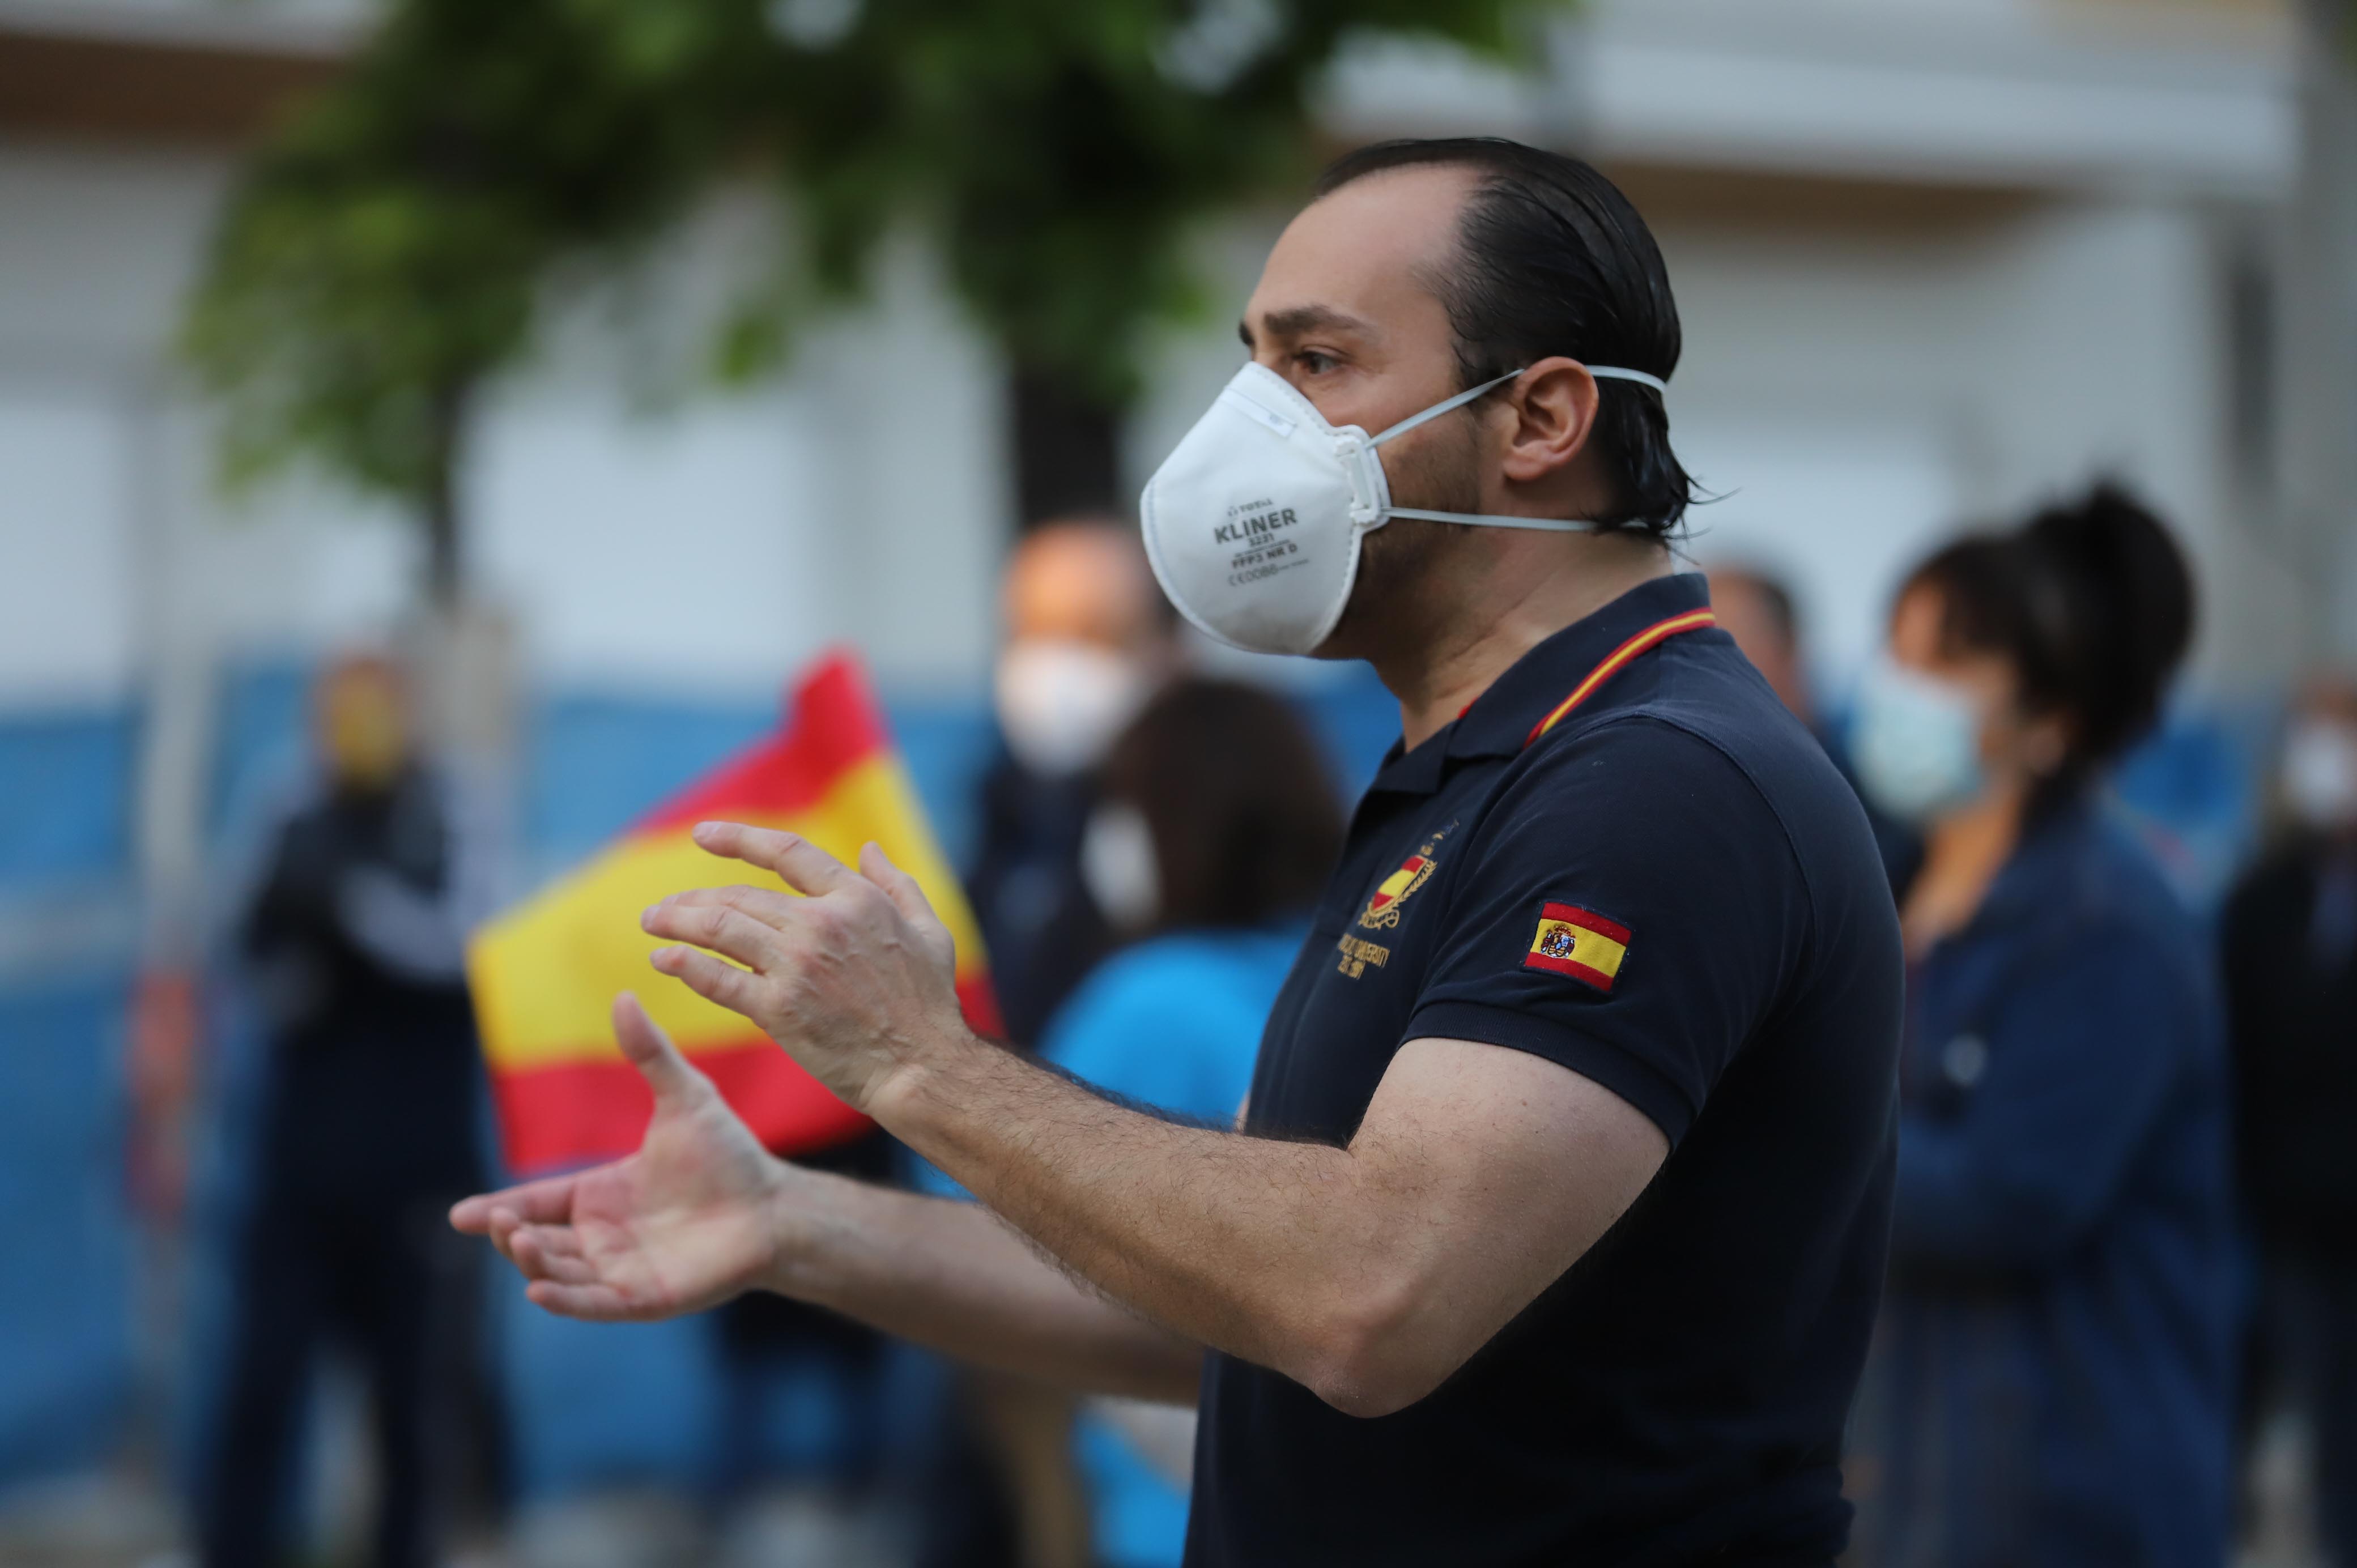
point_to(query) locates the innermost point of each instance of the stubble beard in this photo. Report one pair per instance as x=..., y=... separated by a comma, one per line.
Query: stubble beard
x=1404, y=598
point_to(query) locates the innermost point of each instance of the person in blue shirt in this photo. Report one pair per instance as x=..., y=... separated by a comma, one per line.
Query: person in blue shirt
x=1218, y=826
x=2053, y=1377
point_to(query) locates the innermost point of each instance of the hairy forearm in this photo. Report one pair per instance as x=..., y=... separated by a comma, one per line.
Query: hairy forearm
x=1477, y=1177
x=1278, y=1253
x=952, y=1276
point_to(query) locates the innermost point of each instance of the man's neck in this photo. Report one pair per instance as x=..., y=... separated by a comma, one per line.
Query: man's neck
x=1511, y=611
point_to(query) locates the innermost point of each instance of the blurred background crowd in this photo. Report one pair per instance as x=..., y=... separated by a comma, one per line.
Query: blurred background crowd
x=586, y=366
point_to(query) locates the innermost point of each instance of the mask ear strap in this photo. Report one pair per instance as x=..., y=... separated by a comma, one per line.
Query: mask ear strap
x=1487, y=519
x=1444, y=406
x=1601, y=372
x=1643, y=378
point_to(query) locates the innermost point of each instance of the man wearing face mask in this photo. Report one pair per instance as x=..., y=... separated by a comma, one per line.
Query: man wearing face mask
x=355, y=942
x=1553, y=1226
x=2290, y=932
x=1088, y=641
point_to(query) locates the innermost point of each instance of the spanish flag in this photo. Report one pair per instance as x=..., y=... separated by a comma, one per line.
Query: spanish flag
x=1580, y=943
x=545, y=974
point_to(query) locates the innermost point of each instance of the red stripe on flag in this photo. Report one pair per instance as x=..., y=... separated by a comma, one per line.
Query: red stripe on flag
x=1570, y=966
x=837, y=722
x=1573, y=915
x=979, y=1003
x=579, y=1113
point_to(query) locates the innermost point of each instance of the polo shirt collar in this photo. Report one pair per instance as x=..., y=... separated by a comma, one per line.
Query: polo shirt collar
x=1499, y=720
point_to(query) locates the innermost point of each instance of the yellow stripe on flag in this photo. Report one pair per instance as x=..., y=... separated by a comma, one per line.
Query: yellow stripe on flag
x=546, y=974
x=1561, y=939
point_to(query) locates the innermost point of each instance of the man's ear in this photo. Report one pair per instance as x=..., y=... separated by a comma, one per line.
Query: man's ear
x=1554, y=404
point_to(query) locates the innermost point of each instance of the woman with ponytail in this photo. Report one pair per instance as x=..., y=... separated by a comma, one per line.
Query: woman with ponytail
x=2051, y=1382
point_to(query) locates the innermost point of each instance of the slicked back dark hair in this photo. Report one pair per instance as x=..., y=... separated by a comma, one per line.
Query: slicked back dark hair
x=1552, y=259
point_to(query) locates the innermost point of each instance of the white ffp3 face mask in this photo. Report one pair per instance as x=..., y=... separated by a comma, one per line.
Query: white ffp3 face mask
x=1119, y=868
x=2319, y=773
x=1062, y=703
x=1253, y=522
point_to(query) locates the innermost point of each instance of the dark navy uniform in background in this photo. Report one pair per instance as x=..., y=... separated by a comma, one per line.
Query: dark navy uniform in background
x=369, y=1133
x=1667, y=888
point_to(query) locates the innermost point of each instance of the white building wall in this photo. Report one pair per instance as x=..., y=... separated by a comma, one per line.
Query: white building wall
x=707, y=541
x=1857, y=394
x=653, y=532
x=2049, y=93
x=118, y=556
x=68, y=629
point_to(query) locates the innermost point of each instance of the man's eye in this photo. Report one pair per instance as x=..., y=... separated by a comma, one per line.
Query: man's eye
x=1314, y=363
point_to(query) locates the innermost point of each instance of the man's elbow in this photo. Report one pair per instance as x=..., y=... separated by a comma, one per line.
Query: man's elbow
x=1375, y=1356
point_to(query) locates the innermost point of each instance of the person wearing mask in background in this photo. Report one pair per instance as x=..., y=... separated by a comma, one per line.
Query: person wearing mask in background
x=2290, y=935
x=2053, y=1373
x=1089, y=638
x=370, y=1105
x=1217, y=827
x=1757, y=608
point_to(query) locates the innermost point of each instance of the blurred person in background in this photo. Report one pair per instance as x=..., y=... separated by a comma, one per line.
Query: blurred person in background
x=2289, y=936
x=369, y=1127
x=1758, y=609
x=2052, y=1378
x=1217, y=828
x=1089, y=638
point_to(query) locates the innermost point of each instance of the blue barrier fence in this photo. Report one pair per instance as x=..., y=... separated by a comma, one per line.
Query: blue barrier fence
x=66, y=1349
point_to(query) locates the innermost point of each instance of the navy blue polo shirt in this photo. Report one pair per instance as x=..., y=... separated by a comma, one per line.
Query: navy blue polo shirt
x=1625, y=858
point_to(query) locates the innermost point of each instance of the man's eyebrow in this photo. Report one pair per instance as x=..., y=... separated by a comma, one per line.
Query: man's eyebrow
x=1302, y=319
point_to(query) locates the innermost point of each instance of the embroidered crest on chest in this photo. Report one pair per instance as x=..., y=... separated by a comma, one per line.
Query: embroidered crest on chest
x=1383, y=907
x=1383, y=910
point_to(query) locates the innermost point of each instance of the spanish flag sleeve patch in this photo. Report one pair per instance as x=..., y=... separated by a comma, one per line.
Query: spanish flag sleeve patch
x=1579, y=944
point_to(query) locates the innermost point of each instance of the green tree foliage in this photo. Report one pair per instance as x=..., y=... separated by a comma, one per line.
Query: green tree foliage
x=386, y=252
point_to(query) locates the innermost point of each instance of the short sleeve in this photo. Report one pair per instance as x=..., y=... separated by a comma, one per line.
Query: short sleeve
x=1628, y=908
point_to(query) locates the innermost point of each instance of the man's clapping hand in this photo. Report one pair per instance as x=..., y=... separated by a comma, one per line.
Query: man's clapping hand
x=687, y=1222
x=857, y=979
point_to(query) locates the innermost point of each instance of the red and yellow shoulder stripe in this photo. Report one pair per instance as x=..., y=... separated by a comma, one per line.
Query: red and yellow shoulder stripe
x=1653, y=637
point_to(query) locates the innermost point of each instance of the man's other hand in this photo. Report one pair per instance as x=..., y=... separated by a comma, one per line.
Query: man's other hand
x=683, y=1224
x=857, y=979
